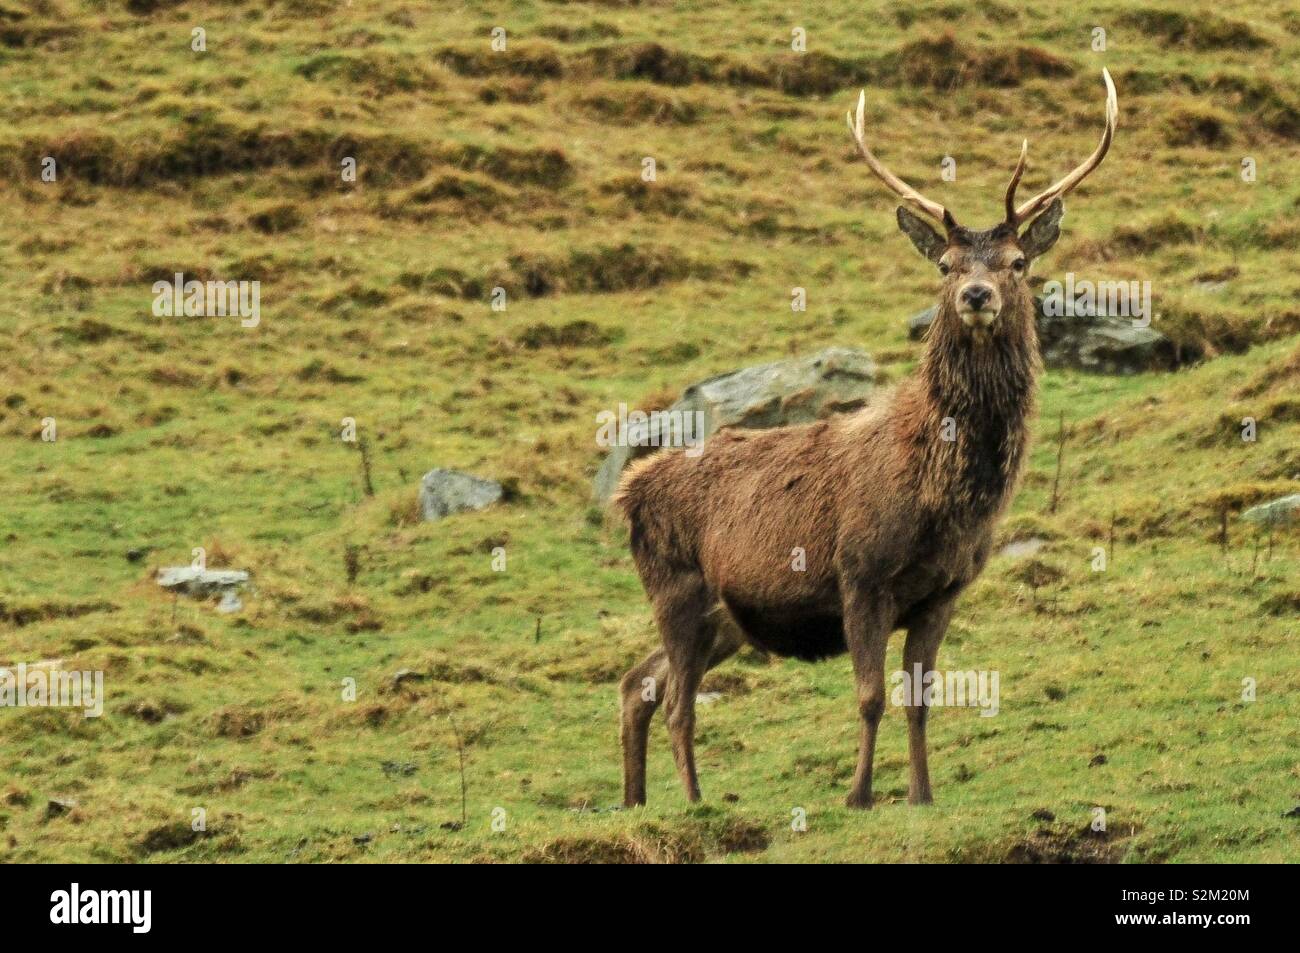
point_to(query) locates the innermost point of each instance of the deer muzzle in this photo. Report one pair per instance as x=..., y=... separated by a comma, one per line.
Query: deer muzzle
x=978, y=304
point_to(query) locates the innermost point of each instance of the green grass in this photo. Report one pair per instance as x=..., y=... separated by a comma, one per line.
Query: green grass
x=522, y=169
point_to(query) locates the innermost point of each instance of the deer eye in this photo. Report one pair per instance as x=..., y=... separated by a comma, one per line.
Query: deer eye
x=944, y=268
x=1018, y=265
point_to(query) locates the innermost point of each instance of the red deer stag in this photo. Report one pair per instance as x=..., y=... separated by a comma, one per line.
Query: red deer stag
x=894, y=506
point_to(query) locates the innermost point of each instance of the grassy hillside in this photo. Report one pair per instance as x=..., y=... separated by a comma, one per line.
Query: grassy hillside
x=1121, y=689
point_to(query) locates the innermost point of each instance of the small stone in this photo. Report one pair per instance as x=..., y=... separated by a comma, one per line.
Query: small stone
x=1276, y=513
x=444, y=492
x=200, y=582
x=707, y=698
x=920, y=322
x=1021, y=548
x=58, y=807
x=406, y=674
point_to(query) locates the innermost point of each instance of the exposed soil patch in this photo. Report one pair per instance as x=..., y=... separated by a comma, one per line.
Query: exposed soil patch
x=572, y=334
x=1197, y=127
x=213, y=147
x=236, y=779
x=373, y=72
x=1283, y=604
x=650, y=198
x=1282, y=371
x=642, y=104
x=946, y=63
x=237, y=722
x=1193, y=31
x=44, y=611
x=17, y=31
x=654, y=843
x=153, y=712
x=600, y=270
x=171, y=836
x=354, y=612
x=546, y=167
x=536, y=60
x=276, y=219
x=1056, y=844
x=1147, y=237
x=941, y=62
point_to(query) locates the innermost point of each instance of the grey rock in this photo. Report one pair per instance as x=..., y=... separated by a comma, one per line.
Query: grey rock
x=1276, y=513
x=799, y=390
x=1104, y=345
x=201, y=582
x=230, y=601
x=443, y=492
x=920, y=322
x=57, y=807
x=1023, y=548
x=403, y=675
x=1097, y=343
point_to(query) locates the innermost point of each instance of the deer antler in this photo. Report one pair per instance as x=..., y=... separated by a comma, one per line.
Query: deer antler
x=1018, y=216
x=1015, y=181
x=905, y=191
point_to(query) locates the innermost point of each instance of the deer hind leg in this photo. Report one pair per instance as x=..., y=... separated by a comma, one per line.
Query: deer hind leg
x=922, y=648
x=647, y=684
x=682, y=610
x=642, y=688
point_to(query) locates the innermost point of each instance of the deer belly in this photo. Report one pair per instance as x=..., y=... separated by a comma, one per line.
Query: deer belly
x=809, y=632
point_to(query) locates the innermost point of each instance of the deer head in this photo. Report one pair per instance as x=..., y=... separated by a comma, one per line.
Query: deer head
x=986, y=271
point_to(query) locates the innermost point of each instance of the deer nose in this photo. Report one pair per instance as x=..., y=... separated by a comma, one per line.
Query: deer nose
x=976, y=296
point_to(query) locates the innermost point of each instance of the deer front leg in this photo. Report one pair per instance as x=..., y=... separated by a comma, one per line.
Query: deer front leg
x=924, y=633
x=866, y=631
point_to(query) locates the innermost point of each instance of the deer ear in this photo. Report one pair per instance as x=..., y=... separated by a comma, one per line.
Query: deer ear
x=927, y=241
x=1043, y=231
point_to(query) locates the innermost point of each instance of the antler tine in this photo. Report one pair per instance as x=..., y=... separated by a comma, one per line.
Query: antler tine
x=1067, y=184
x=1015, y=181
x=904, y=191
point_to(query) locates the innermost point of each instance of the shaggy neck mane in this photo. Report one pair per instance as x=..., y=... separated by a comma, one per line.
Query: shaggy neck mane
x=987, y=388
